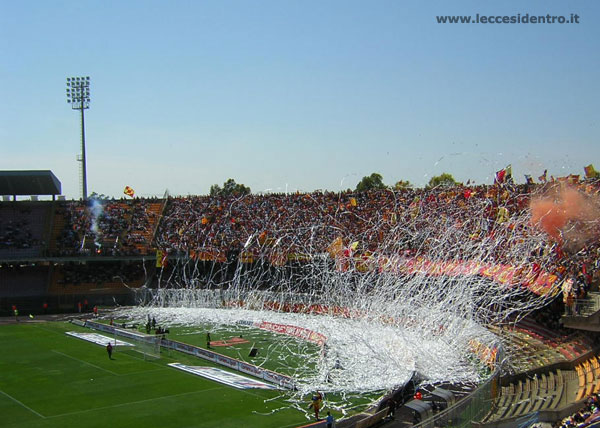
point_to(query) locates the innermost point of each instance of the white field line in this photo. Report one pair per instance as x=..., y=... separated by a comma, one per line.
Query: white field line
x=142, y=401
x=134, y=402
x=85, y=362
x=144, y=372
x=21, y=404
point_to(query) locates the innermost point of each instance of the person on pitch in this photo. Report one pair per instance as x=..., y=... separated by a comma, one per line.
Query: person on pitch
x=329, y=420
x=317, y=402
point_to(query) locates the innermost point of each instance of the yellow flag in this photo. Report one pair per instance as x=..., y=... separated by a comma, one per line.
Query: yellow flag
x=336, y=247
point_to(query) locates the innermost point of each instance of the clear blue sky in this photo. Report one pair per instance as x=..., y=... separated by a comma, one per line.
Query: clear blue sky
x=296, y=94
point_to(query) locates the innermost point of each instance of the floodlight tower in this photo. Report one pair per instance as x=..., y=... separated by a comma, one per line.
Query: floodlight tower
x=78, y=95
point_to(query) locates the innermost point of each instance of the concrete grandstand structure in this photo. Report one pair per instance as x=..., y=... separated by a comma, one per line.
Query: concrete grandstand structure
x=29, y=183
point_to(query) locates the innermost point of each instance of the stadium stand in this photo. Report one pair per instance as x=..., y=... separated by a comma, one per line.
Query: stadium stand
x=64, y=252
x=23, y=230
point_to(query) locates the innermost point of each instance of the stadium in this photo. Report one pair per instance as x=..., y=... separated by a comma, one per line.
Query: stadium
x=450, y=305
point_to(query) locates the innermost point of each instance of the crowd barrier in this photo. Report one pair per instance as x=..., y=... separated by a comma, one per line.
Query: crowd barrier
x=278, y=379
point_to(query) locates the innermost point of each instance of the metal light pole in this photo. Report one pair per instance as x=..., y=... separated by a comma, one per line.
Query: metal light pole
x=78, y=95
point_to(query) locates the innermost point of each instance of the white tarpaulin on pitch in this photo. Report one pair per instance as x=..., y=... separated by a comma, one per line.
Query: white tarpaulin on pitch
x=224, y=377
x=98, y=339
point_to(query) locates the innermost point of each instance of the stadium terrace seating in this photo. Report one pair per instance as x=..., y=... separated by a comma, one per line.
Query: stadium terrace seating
x=22, y=281
x=571, y=346
x=22, y=229
x=588, y=373
x=140, y=233
x=74, y=278
x=552, y=391
x=108, y=228
x=547, y=392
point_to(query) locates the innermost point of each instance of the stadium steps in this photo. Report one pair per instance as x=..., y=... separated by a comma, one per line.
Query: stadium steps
x=548, y=391
x=55, y=286
x=562, y=381
x=534, y=392
x=527, y=352
x=57, y=228
x=596, y=368
x=153, y=210
x=588, y=376
x=520, y=401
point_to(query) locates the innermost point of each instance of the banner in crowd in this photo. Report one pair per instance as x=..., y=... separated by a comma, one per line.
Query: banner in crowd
x=531, y=277
x=208, y=255
x=292, y=330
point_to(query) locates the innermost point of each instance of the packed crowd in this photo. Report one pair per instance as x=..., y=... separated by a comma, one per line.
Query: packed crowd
x=310, y=222
x=16, y=235
x=488, y=223
x=586, y=416
x=18, y=227
x=104, y=227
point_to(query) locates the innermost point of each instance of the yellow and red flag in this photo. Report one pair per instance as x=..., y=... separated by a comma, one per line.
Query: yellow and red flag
x=129, y=191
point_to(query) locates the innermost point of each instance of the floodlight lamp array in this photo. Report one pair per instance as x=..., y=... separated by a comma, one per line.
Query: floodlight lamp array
x=78, y=92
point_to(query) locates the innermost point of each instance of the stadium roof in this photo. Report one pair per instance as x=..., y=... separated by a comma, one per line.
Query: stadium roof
x=29, y=183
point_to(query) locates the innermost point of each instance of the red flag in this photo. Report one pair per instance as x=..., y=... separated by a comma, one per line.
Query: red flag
x=500, y=176
x=504, y=175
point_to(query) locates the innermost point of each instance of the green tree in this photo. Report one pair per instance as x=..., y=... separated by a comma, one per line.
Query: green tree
x=402, y=184
x=443, y=180
x=373, y=181
x=230, y=188
x=98, y=196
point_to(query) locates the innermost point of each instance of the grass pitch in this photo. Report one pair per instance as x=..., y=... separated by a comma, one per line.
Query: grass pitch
x=49, y=379
x=277, y=352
